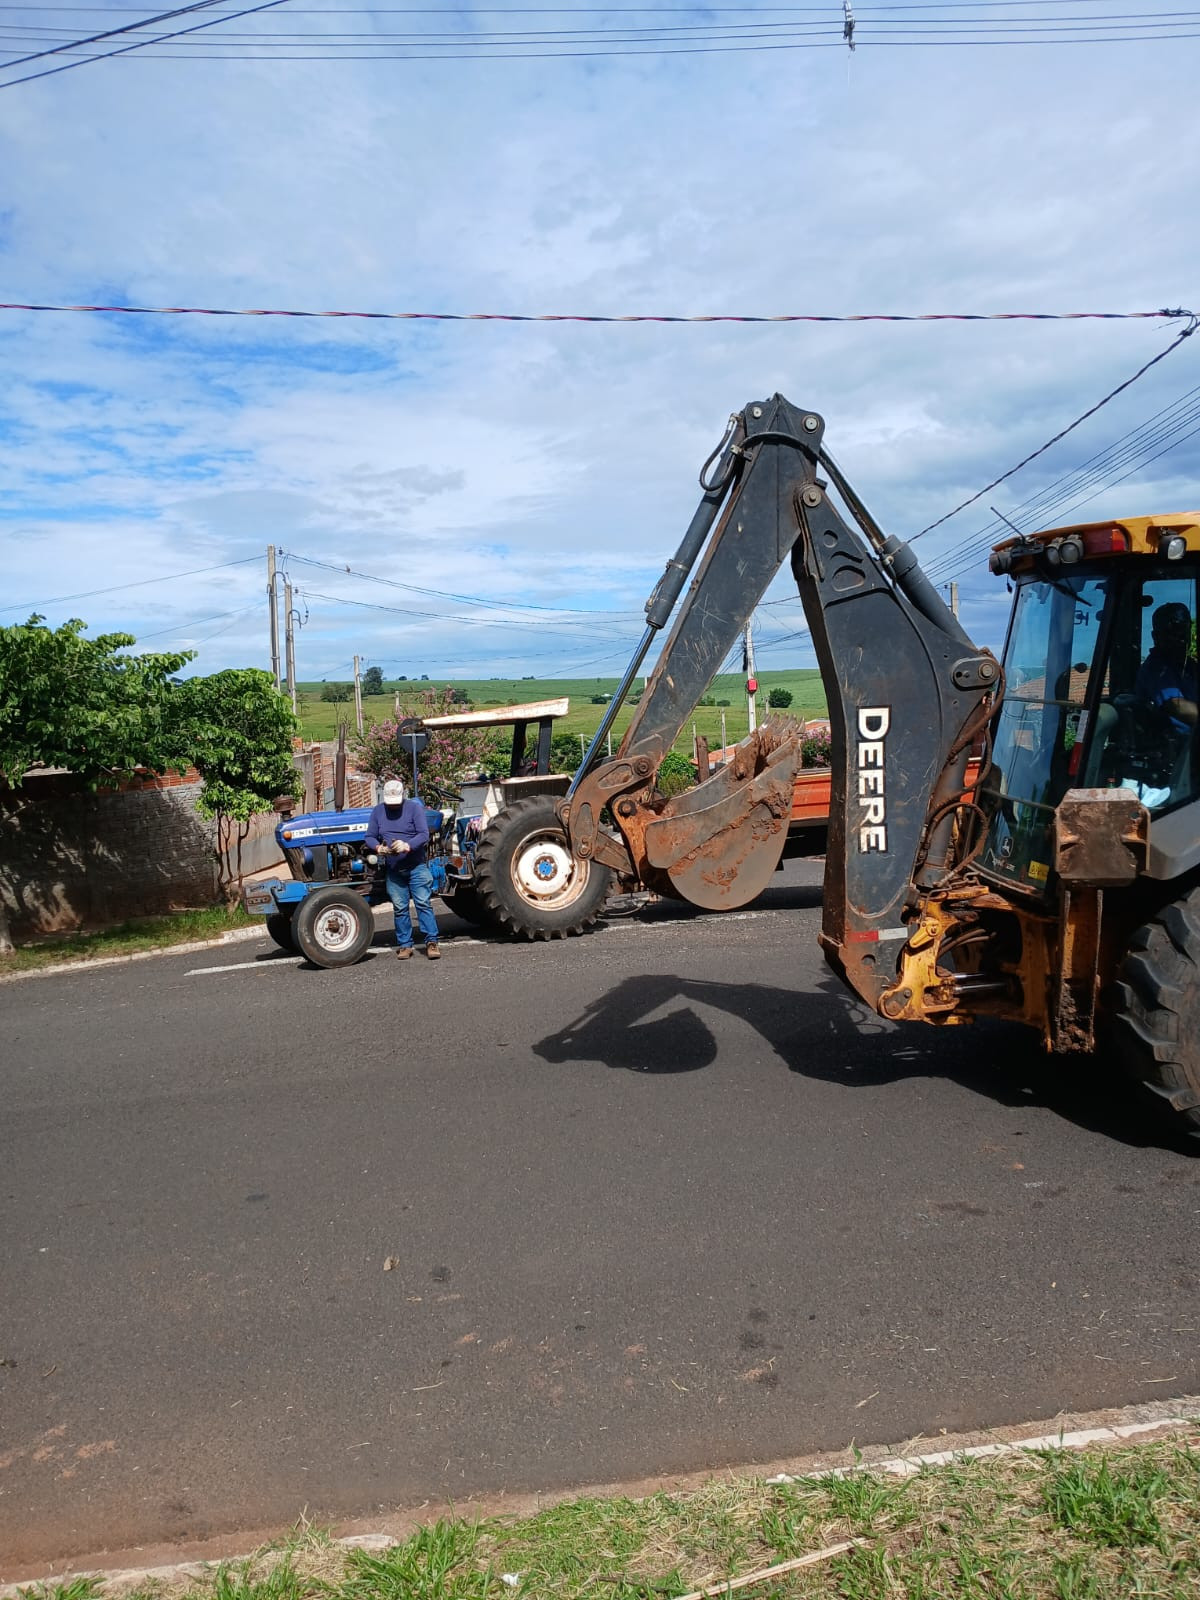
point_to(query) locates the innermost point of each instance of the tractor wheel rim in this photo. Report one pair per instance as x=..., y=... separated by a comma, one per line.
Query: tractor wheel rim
x=335, y=928
x=545, y=871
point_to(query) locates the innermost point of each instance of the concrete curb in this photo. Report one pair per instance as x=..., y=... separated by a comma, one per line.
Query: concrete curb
x=236, y=936
x=1168, y=1416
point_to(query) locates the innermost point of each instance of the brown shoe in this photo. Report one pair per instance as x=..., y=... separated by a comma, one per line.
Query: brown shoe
x=432, y=951
x=404, y=952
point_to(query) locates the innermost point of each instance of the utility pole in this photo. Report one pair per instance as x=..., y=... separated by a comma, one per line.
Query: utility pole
x=358, y=718
x=273, y=600
x=954, y=597
x=751, y=680
x=290, y=640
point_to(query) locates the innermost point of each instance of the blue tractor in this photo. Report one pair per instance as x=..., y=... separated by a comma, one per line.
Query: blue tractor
x=497, y=851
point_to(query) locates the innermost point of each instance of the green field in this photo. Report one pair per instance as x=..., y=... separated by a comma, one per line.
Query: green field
x=319, y=718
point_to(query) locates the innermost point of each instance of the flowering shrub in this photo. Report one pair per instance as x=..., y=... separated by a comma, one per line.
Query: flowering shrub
x=450, y=753
x=815, y=750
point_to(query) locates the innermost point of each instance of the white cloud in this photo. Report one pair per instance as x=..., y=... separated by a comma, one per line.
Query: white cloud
x=542, y=462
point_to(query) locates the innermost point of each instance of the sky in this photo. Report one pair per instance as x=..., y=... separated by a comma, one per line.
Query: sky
x=537, y=476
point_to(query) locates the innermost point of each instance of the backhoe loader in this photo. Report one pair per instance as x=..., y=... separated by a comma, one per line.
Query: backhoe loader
x=1058, y=883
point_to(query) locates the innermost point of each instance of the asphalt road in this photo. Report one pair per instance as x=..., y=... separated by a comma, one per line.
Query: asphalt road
x=658, y=1199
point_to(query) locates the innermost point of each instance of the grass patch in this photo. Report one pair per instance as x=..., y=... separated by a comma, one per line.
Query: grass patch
x=1109, y=1505
x=126, y=938
x=1052, y=1525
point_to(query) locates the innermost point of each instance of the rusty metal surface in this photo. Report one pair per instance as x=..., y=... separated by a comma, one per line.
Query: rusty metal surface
x=1100, y=837
x=1076, y=977
x=718, y=844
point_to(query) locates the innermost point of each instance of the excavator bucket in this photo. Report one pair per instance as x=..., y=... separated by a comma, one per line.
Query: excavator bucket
x=717, y=845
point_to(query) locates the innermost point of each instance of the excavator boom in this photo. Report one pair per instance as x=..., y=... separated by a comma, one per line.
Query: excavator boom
x=906, y=688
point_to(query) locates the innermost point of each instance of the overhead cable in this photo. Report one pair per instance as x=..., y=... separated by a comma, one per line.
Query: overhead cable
x=446, y=594
x=140, y=583
x=139, y=44
x=1071, y=426
x=111, y=33
x=1164, y=314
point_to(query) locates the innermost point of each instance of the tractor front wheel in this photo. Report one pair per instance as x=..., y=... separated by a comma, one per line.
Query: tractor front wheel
x=1156, y=1009
x=334, y=927
x=528, y=880
x=279, y=928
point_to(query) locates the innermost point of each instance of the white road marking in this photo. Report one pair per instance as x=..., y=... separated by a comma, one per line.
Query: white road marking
x=247, y=966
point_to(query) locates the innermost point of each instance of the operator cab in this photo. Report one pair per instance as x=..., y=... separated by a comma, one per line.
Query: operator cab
x=1100, y=687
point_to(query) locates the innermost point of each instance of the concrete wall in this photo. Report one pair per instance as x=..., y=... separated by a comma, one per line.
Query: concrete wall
x=69, y=859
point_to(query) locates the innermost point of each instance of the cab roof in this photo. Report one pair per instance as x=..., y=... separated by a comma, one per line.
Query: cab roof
x=1142, y=535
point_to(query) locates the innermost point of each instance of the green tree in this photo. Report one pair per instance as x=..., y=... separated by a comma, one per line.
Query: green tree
x=779, y=699
x=333, y=692
x=68, y=701
x=675, y=774
x=237, y=728
x=372, y=680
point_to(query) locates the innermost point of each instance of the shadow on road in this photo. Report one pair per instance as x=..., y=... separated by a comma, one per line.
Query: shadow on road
x=831, y=1037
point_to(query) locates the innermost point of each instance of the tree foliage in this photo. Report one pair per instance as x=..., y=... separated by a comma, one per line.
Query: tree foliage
x=779, y=699
x=450, y=753
x=68, y=701
x=675, y=774
x=333, y=692
x=372, y=680
x=237, y=729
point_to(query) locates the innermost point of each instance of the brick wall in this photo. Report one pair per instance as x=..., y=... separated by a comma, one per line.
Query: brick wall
x=69, y=859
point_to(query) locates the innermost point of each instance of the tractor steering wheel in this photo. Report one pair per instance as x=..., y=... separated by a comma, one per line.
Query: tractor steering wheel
x=447, y=794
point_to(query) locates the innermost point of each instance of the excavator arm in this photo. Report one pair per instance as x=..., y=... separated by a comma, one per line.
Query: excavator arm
x=907, y=691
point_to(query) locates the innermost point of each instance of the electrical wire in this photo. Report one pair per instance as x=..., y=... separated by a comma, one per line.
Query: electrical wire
x=1165, y=314
x=67, y=66
x=198, y=622
x=433, y=616
x=116, y=588
x=445, y=594
x=1063, y=432
x=1162, y=433
x=111, y=33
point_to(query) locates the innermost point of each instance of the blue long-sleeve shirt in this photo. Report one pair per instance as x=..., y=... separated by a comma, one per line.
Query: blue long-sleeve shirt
x=407, y=822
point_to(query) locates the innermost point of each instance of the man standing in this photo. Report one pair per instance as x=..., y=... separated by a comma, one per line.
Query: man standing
x=399, y=832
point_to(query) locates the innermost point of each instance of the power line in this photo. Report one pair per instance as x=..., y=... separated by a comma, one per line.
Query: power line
x=67, y=66
x=198, y=622
x=436, y=616
x=116, y=588
x=835, y=41
x=1165, y=314
x=657, y=33
x=129, y=27
x=444, y=594
x=1095, y=474
x=1062, y=433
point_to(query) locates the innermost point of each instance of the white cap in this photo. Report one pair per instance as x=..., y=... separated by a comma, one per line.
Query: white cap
x=393, y=792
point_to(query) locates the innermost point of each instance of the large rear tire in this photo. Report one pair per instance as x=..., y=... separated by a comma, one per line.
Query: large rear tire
x=528, y=880
x=1156, y=1009
x=334, y=927
x=464, y=901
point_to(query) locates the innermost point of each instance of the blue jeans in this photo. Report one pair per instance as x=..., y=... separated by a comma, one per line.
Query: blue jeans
x=418, y=882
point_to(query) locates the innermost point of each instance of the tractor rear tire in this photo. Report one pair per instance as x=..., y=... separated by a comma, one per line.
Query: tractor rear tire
x=530, y=884
x=465, y=903
x=334, y=927
x=279, y=928
x=1156, y=1008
